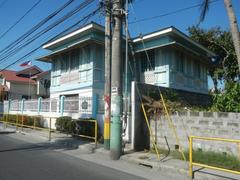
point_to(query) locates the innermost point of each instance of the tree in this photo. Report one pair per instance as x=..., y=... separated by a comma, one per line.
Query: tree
x=225, y=69
x=232, y=21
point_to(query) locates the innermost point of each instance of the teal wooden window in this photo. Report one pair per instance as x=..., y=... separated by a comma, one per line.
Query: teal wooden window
x=180, y=62
x=148, y=64
x=197, y=68
x=74, y=59
x=65, y=63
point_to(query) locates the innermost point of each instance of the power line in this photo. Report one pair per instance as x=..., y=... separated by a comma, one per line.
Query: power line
x=85, y=19
x=25, y=14
x=51, y=26
x=170, y=13
x=161, y=97
x=40, y=24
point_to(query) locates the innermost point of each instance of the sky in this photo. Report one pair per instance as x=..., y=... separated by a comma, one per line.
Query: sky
x=12, y=10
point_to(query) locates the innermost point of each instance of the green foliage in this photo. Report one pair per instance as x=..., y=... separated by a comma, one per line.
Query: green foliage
x=221, y=160
x=221, y=43
x=229, y=99
x=65, y=124
x=211, y=158
x=85, y=127
x=226, y=69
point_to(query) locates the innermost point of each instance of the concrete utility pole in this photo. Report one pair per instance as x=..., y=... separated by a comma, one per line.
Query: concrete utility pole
x=107, y=89
x=125, y=98
x=116, y=94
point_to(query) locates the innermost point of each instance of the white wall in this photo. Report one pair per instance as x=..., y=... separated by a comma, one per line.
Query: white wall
x=17, y=90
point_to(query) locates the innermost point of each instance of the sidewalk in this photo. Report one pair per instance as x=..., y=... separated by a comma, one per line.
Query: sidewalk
x=78, y=148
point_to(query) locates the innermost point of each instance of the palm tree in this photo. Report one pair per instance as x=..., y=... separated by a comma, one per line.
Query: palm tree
x=232, y=22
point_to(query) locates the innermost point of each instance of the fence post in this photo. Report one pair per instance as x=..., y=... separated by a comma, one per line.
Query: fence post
x=190, y=157
x=39, y=105
x=22, y=105
x=9, y=105
x=94, y=106
x=62, y=105
x=50, y=127
x=9, y=108
x=16, y=122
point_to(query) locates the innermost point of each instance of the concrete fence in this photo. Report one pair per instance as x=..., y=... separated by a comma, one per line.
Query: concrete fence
x=206, y=124
x=81, y=107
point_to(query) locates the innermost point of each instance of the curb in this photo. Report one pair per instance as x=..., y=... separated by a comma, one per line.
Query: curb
x=171, y=170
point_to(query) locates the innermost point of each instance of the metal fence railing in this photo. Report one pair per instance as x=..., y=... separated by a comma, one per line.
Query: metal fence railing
x=25, y=121
x=191, y=163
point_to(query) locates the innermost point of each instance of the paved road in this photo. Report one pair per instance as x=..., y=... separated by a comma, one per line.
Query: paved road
x=24, y=161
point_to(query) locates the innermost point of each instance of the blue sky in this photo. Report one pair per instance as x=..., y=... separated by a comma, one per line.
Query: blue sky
x=11, y=10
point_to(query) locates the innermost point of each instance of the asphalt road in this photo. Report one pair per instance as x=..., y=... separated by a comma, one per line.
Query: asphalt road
x=20, y=160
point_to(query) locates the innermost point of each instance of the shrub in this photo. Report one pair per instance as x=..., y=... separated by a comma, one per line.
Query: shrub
x=65, y=124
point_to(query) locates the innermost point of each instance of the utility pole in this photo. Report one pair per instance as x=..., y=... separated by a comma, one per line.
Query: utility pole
x=107, y=89
x=125, y=98
x=116, y=80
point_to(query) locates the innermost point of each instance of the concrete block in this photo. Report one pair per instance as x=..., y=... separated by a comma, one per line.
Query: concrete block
x=203, y=122
x=217, y=123
x=233, y=124
x=195, y=114
x=207, y=114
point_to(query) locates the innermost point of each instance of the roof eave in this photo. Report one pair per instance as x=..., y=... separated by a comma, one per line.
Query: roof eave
x=74, y=33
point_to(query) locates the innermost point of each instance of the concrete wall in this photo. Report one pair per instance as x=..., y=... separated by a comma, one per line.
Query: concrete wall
x=206, y=124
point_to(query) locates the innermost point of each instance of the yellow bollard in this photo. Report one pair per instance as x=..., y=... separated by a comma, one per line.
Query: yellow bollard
x=190, y=157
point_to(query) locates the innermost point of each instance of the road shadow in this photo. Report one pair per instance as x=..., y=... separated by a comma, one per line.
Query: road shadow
x=7, y=132
x=59, y=144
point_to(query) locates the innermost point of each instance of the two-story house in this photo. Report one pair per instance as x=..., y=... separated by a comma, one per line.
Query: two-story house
x=77, y=60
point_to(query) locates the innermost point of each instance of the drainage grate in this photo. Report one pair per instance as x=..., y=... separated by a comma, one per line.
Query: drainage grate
x=146, y=165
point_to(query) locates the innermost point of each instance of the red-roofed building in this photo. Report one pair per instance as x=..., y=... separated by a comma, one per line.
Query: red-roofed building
x=19, y=84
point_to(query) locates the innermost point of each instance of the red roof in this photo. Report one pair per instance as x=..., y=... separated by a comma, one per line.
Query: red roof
x=11, y=76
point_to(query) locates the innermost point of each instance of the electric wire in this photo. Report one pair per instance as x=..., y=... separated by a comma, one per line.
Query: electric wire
x=20, y=19
x=85, y=19
x=159, y=91
x=37, y=26
x=57, y=22
x=170, y=13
